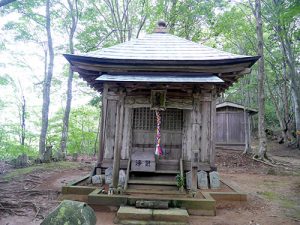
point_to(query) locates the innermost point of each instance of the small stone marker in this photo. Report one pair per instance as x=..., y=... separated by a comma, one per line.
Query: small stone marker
x=214, y=180
x=188, y=177
x=108, y=175
x=202, y=179
x=122, y=178
x=97, y=179
x=71, y=212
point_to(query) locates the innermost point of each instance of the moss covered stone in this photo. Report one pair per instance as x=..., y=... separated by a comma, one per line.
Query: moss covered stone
x=71, y=213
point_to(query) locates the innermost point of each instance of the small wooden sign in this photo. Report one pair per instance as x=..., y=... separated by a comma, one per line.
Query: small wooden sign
x=158, y=99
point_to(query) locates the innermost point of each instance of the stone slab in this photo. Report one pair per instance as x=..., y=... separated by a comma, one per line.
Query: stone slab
x=214, y=179
x=171, y=215
x=132, y=213
x=202, y=179
x=108, y=175
x=188, y=177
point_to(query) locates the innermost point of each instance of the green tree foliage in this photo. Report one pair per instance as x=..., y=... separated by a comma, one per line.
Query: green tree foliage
x=82, y=130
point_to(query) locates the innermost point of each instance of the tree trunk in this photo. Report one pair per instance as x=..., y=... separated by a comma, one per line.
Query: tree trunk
x=23, y=118
x=46, y=85
x=296, y=101
x=283, y=30
x=247, y=149
x=295, y=84
x=262, y=151
x=65, y=128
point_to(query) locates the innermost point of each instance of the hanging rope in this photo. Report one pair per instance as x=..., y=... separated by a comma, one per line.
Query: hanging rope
x=158, y=149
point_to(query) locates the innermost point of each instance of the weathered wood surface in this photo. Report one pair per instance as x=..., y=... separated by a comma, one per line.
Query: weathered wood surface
x=110, y=129
x=127, y=134
x=194, y=140
x=196, y=120
x=180, y=68
x=162, y=165
x=118, y=141
x=171, y=102
x=230, y=127
x=213, y=129
x=205, y=131
x=186, y=135
x=103, y=126
x=170, y=142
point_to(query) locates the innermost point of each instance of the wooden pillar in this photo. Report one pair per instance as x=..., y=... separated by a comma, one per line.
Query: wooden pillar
x=102, y=129
x=212, y=129
x=206, y=127
x=196, y=139
x=118, y=141
x=247, y=131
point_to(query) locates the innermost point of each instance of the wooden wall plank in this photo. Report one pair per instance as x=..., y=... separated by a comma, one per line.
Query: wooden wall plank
x=187, y=135
x=110, y=128
x=127, y=133
x=205, y=131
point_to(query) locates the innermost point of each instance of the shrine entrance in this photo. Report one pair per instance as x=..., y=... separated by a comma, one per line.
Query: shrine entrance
x=144, y=132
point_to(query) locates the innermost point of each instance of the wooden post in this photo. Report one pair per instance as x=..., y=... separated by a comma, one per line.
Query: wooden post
x=196, y=139
x=118, y=141
x=206, y=127
x=102, y=129
x=247, y=133
x=212, y=129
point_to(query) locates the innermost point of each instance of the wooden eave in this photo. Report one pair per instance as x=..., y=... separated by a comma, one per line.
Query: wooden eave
x=106, y=63
x=228, y=73
x=161, y=54
x=237, y=106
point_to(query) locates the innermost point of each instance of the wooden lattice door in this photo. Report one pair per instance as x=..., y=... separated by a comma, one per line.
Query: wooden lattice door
x=144, y=130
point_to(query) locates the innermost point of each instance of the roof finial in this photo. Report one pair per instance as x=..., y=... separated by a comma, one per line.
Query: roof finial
x=161, y=23
x=161, y=27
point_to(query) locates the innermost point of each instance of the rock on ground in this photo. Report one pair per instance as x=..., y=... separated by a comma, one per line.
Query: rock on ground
x=71, y=213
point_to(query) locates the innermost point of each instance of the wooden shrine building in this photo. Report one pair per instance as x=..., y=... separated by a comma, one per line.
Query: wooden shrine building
x=158, y=75
x=233, y=127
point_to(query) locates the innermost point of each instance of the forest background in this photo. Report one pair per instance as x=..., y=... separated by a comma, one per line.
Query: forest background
x=42, y=103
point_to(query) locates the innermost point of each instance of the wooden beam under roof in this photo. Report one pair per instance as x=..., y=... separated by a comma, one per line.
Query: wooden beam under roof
x=155, y=68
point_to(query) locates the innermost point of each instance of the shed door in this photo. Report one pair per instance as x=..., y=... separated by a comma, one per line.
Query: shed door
x=144, y=131
x=230, y=128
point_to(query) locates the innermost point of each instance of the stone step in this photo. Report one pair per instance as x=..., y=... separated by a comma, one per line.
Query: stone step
x=158, y=172
x=147, y=187
x=152, y=182
x=155, y=191
x=132, y=215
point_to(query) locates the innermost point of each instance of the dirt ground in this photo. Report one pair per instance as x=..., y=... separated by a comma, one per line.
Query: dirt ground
x=28, y=195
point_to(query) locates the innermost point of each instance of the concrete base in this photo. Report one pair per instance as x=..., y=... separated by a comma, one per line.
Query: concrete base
x=132, y=215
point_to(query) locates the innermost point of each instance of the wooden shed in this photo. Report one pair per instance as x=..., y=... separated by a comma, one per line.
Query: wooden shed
x=233, y=130
x=159, y=98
